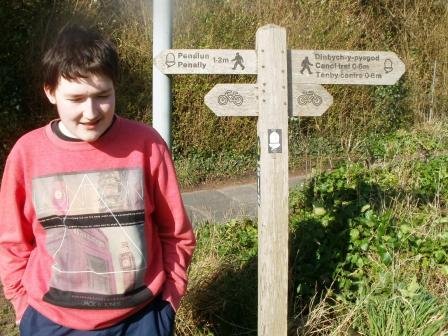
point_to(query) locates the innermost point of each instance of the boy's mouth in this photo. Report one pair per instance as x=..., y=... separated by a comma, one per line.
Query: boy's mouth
x=90, y=123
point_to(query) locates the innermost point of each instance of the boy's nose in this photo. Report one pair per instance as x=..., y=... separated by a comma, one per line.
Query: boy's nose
x=90, y=110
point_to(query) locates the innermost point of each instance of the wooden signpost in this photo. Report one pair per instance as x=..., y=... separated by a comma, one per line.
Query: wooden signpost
x=273, y=99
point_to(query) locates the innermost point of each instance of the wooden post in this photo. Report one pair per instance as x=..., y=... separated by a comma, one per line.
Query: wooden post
x=273, y=181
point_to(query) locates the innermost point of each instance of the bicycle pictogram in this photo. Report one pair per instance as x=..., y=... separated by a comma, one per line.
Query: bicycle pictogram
x=309, y=97
x=230, y=96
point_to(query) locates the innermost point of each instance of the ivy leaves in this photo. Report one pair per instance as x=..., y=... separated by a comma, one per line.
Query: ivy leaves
x=347, y=227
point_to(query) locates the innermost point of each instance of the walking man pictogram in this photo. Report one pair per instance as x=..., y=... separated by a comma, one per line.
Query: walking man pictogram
x=306, y=65
x=238, y=61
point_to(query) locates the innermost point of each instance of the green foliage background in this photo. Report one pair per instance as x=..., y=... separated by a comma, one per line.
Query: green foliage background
x=416, y=30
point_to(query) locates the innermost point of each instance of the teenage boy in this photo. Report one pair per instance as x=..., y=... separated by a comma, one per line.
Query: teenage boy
x=94, y=237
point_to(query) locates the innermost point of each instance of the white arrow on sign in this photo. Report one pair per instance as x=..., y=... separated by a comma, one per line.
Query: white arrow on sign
x=345, y=67
x=233, y=100
x=310, y=100
x=207, y=61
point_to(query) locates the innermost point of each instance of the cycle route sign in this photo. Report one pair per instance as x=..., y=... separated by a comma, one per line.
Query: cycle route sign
x=309, y=100
x=234, y=100
x=238, y=100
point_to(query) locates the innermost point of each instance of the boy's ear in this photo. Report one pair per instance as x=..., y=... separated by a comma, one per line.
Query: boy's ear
x=50, y=94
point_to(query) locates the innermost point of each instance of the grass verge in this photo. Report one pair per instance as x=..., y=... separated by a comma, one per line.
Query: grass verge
x=368, y=252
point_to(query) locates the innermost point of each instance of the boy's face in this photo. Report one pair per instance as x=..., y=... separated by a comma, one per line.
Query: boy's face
x=86, y=106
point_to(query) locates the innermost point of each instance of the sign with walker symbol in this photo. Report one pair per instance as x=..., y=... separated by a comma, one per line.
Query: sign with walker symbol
x=288, y=84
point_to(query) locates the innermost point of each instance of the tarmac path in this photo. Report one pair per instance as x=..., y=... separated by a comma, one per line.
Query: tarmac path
x=219, y=205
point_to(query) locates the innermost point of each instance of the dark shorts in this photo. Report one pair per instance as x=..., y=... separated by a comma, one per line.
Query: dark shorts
x=157, y=319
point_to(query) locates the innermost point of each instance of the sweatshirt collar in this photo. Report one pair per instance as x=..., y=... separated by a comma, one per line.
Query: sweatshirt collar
x=75, y=144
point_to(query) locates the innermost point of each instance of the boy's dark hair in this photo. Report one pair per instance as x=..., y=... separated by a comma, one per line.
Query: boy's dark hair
x=78, y=52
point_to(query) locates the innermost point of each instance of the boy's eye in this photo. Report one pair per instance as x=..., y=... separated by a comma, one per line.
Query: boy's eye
x=76, y=99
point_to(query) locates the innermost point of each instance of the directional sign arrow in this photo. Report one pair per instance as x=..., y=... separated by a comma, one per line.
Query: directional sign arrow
x=310, y=100
x=345, y=67
x=233, y=100
x=207, y=61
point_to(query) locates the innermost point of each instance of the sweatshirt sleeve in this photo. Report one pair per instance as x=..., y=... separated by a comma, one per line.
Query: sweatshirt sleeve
x=16, y=235
x=175, y=231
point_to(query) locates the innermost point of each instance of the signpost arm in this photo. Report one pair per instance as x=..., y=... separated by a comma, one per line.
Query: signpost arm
x=161, y=84
x=273, y=181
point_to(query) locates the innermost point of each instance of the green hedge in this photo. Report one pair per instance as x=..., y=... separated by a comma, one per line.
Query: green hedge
x=414, y=30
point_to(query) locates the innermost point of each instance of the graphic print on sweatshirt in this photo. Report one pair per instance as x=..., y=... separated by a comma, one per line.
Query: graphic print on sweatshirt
x=94, y=224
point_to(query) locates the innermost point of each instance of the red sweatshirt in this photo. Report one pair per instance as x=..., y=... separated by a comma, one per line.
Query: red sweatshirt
x=91, y=232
